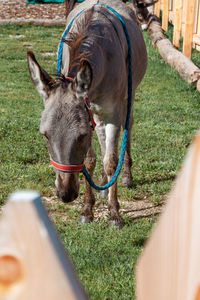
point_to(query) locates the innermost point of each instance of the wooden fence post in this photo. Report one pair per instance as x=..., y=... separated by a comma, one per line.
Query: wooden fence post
x=177, y=22
x=165, y=16
x=33, y=263
x=189, y=27
x=169, y=267
x=157, y=8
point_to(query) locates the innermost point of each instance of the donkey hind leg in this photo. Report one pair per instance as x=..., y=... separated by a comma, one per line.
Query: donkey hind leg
x=89, y=199
x=127, y=179
x=110, y=163
x=100, y=130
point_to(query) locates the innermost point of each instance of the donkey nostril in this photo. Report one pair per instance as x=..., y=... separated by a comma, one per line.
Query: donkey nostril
x=75, y=195
x=67, y=197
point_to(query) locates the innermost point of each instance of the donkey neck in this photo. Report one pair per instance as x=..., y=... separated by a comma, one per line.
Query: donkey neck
x=91, y=51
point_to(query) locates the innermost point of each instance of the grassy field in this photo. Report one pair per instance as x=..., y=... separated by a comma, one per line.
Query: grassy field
x=166, y=116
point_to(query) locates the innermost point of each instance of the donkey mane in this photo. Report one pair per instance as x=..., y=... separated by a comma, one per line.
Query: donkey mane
x=75, y=39
x=60, y=80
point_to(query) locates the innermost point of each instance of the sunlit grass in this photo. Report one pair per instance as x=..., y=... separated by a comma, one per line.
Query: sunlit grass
x=166, y=117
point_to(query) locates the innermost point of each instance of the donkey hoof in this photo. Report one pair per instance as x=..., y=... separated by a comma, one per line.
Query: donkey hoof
x=127, y=181
x=103, y=194
x=117, y=222
x=86, y=219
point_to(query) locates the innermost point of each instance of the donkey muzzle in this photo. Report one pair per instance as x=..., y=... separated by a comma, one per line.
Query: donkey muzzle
x=67, y=186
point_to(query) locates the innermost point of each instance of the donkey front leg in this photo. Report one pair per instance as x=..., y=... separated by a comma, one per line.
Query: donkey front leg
x=101, y=133
x=89, y=199
x=127, y=179
x=110, y=165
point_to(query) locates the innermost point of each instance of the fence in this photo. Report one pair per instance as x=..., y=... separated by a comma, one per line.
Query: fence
x=33, y=262
x=169, y=267
x=185, y=16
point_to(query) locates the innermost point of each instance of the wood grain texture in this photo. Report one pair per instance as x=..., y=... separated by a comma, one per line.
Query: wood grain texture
x=186, y=68
x=189, y=26
x=177, y=22
x=157, y=8
x=33, y=263
x=165, y=16
x=169, y=265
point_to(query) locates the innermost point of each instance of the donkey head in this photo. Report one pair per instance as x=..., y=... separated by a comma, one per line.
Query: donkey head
x=142, y=12
x=65, y=121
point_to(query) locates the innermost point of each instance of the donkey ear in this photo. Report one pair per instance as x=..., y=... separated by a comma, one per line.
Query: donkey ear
x=39, y=76
x=83, y=78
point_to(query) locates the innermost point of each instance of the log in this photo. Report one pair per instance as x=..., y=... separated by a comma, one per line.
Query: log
x=37, y=22
x=186, y=68
x=33, y=262
x=168, y=268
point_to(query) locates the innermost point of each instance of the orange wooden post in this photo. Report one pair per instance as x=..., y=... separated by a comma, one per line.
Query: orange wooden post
x=189, y=26
x=198, y=294
x=178, y=7
x=169, y=267
x=157, y=8
x=33, y=262
x=196, y=38
x=165, y=15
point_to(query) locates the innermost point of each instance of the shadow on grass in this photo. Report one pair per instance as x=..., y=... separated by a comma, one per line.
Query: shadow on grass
x=140, y=209
x=150, y=216
x=153, y=179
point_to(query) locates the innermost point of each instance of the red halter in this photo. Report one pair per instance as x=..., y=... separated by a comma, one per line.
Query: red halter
x=75, y=168
x=66, y=168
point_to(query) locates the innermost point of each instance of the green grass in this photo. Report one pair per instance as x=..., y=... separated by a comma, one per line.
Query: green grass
x=166, y=114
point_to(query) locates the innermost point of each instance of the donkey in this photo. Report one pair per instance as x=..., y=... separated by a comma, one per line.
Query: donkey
x=95, y=59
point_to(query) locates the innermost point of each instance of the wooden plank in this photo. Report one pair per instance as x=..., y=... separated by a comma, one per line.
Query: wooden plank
x=33, y=263
x=196, y=16
x=196, y=39
x=183, y=17
x=169, y=265
x=198, y=25
x=189, y=26
x=157, y=8
x=197, y=28
x=177, y=23
x=165, y=15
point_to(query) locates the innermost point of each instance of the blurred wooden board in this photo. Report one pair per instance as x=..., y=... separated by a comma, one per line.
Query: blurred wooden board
x=169, y=267
x=33, y=262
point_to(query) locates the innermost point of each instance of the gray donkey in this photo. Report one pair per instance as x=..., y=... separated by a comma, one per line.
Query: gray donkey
x=94, y=66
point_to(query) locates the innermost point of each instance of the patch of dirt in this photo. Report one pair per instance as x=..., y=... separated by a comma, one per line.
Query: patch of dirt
x=49, y=53
x=133, y=209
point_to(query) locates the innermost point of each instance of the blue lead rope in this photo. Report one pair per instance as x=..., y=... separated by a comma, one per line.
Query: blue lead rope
x=129, y=104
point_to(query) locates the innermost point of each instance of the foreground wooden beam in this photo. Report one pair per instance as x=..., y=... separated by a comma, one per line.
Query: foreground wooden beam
x=169, y=267
x=33, y=263
x=186, y=68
